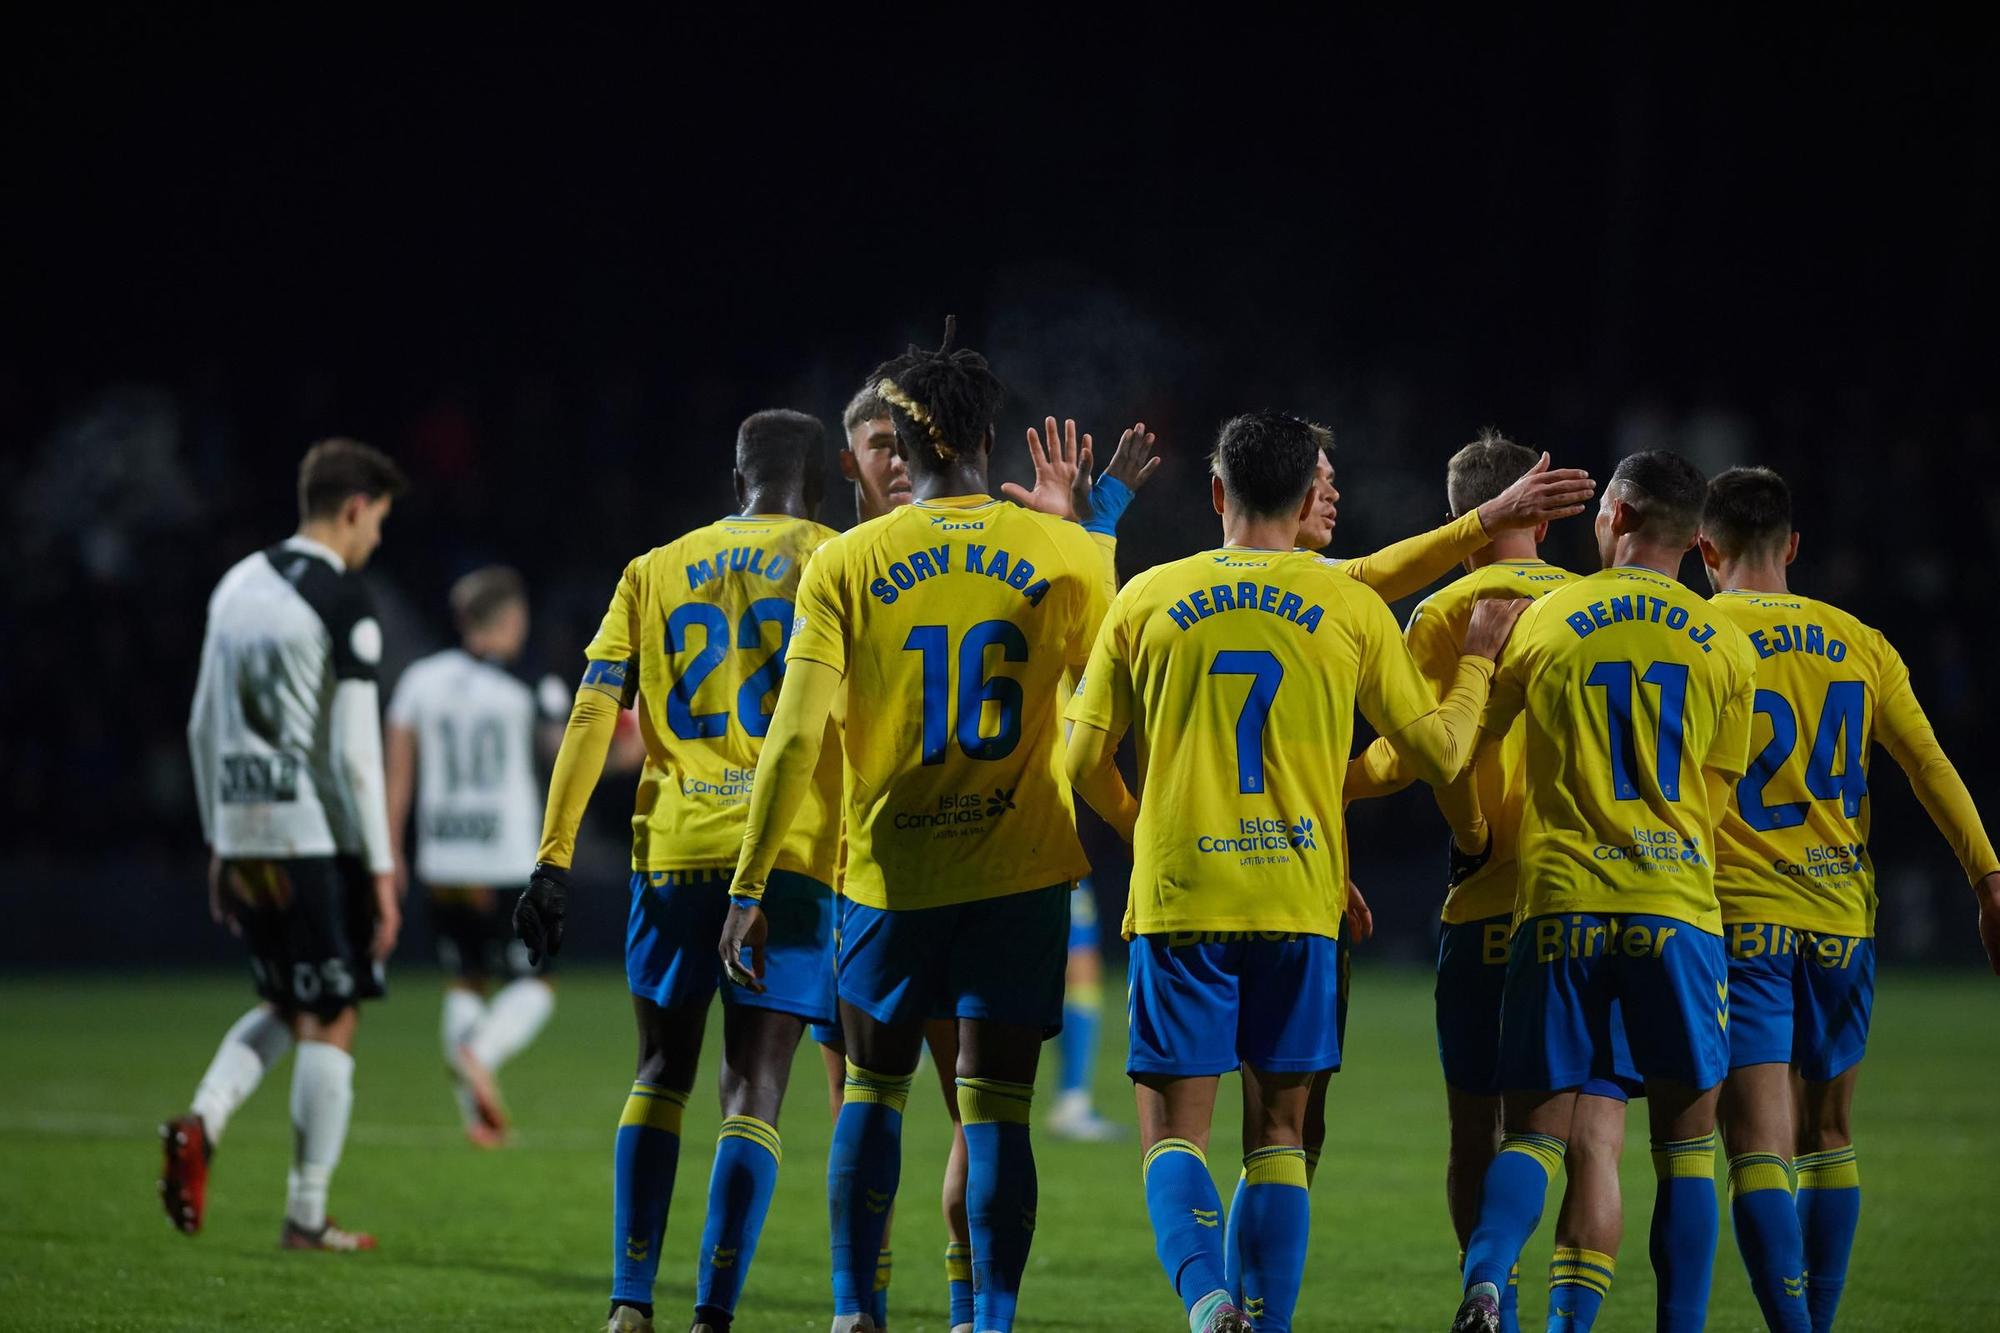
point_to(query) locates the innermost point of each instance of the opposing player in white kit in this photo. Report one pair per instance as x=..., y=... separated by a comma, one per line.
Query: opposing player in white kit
x=462, y=746
x=285, y=736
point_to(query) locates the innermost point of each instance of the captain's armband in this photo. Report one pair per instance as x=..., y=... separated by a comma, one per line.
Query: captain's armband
x=620, y=680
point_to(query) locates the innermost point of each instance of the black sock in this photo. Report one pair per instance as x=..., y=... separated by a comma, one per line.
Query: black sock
x=643, y=1307
x=719, y=1320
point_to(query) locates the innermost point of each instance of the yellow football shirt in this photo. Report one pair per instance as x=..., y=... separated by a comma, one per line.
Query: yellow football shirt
x=1240, y=670
x=706, y=618
x=1636, y=691
x=952, y=622
x=1437, y=629
x=1793, y=847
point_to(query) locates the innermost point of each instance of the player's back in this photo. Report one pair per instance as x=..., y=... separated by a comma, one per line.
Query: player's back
x=1792, y=849
x=1437, y=630
x=477, y=815
x=285, y=626
x=1633, y=685
x=708, y=618
x=953, y=622
x=1245, y=669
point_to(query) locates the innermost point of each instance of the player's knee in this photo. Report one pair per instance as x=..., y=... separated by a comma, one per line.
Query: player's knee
x=1826, y=1127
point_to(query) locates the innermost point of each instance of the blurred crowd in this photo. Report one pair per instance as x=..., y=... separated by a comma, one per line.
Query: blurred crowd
x=130, y=500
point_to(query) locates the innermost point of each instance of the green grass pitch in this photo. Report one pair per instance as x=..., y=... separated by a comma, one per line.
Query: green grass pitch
x=520, y=1239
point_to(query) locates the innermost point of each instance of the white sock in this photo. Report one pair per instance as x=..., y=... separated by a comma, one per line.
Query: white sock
x=322, y=1098
x=252, y=1045
x=461, y=1014
x=513, y=1019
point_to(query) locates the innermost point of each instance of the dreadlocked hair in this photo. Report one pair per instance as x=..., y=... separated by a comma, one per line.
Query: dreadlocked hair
x=943, y=402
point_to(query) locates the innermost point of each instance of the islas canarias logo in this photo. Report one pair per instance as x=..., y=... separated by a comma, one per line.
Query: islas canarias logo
x=1300, y=834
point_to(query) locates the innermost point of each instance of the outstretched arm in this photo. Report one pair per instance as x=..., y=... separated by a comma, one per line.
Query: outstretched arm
x=1541, y=495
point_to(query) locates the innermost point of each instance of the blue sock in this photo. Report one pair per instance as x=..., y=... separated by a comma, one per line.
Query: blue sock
x=862, y=1170
x=1767, y=1235
x=1510, y=1302
x=878, y=1298
x=1076, y=1047
x=739, y=1195
x=1276, y=1218
x=1232, y=1246
x=649, y=1148
x=1187, y=1219
x=1000, y=1194
x=1579, y=1280
x=958, y=1276
x=1510, y=1205
x=1685, y=1227
x=1829, y=1210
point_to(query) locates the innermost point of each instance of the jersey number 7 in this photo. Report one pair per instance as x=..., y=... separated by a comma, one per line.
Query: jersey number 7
x=1265, y=672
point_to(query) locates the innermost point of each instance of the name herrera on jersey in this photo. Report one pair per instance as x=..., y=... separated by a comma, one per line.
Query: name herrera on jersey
x=930, y=562
x=739, y=560
x=1638, y=606
x=1205, y=602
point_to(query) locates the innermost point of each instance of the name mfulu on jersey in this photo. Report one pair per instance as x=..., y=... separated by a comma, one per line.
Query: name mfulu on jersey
x=740, y=560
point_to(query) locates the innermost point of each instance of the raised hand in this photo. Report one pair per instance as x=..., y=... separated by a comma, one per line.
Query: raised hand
x=1058, y=464
x=1543, y=493
x=1135, y=460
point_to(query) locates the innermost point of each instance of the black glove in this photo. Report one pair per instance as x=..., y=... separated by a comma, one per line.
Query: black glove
x=538, y=916
x=1464, y=865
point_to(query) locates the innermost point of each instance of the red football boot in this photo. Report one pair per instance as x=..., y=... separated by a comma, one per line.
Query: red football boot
x=184, y=1178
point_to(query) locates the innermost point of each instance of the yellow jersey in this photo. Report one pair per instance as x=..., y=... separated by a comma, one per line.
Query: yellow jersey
x=952, y=622
x=1793, y=848
x=702, y=624
x=1638, y=695
x=1241, y=670
x=1437, y=629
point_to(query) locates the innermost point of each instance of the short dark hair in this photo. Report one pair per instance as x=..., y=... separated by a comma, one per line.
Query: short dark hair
x=1666, y=489
x=481, y=595
x=867, y=404
x=335, y=470
x=943, y=402
x=1484, y=468
x=1748, y=509
x=780, y=448
x=1266, y=460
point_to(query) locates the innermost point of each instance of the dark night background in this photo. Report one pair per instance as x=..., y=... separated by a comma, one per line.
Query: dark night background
x=550, y=268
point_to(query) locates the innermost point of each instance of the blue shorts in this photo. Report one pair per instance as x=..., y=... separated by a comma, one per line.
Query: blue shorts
x=1799, y=998
x=1572, y=975
x=1083, y=917
x=998, y=959
x=1205, y=1002
x=1471, y=987
x=1343, y=966
x=677, y=916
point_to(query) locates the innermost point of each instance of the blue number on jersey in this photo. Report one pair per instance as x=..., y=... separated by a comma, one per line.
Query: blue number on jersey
x=1265, y=671
x=975, y=688
x=768, y=675
x=1615, y=679
x=1839, y=736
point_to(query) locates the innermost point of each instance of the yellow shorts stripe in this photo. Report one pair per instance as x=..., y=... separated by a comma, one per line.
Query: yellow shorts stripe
x=651, y=1106
x=984, y=1101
